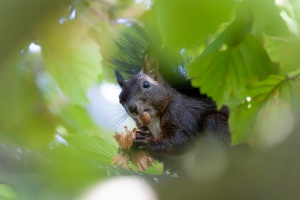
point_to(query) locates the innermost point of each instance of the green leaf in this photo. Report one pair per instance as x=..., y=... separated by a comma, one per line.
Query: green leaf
x=290, y=14
x=73, y=60
x=26, y=17
x=284, y=51
x=102, y=148
x=260, y=90
x=77, y=117
x=96, y=147
x=275, y=118
x=226, y=74
x=243, y=117
x=265, y=16
x=236, y=31
x=187, y=23
x=7, y=193
x=269, y=115
x=241, y=120
x=24, y=117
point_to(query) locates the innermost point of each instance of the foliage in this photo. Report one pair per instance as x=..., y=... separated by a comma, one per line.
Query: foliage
x=244, y=55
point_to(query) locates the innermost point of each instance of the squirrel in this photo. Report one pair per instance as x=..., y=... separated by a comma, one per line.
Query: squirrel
x=180, y=114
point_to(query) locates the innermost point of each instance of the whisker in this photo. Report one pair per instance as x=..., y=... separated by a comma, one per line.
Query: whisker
x=114, y=117
x=121, y=121
x=111, y=120
x=115, y=110
x=116, y=123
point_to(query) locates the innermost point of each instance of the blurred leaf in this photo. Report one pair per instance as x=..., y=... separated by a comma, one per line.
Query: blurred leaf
x=24, y=118
x=127, y=9
x=100, y=149
x=270, y=109
x=81, y=6
x=20, y=21
x=7, y=193
x=156, y=168
x=290, y=14
x=241, y=121
x=187, y=23
x=293, y=74
x=236, y=32
x=73, y=59
x=265, y=16
x=76, y=117
x=151, y=27
x=68, y=173
x=261, y=90
x=243, y=117
x=283, y=51
x=275, y=118
x=225, y=74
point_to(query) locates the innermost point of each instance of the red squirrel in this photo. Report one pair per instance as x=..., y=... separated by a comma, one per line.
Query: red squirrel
x=180, y=115
x=177, y=121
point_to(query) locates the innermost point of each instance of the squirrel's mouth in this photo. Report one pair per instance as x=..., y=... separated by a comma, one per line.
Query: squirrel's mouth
x=135, y=115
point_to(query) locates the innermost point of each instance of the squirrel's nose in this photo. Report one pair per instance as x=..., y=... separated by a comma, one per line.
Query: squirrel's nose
x=132, y=108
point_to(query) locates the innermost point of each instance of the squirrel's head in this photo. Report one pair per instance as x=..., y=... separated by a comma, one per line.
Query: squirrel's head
x=144, y=92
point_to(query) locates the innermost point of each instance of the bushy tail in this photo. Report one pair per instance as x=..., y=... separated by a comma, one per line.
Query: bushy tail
x=128, y=58
x=129, y=51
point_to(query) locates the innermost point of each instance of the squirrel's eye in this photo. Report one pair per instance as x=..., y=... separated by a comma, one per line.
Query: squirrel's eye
x=146, y=84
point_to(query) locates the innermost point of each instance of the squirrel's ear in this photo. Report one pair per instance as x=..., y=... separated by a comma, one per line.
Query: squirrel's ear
x=151, y=66
x=120, y=78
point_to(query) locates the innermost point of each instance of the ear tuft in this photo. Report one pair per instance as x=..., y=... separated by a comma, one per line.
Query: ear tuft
x=151, y=66
x=120, y=78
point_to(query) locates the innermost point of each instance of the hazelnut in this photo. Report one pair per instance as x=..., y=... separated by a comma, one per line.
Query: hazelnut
x=145, y=119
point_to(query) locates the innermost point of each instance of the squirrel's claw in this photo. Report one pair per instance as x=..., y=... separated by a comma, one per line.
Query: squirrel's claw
x=143, y=147
x=141, y=137
x=141, y=141
x=141, y=132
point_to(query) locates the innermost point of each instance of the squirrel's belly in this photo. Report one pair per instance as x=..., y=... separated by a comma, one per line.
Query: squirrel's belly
x=154, y=127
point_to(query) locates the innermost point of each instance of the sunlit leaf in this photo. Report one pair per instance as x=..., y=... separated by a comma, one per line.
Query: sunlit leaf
x=243, y=117
x=7, y=193
x=269, y=115
x=275, y=119
x=241, y=120
x=94, y=146
x=73, y=59
x=76, y=117
x=234, y=34
x=19, y=26
x=260, y=90
x=24, y=118
x=283, y=51
x=265, y=16
x=225, y=74
x=186, y=23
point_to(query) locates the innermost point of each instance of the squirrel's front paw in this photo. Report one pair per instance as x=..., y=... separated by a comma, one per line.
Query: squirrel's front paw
x=143, y=133
x=142, y=142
